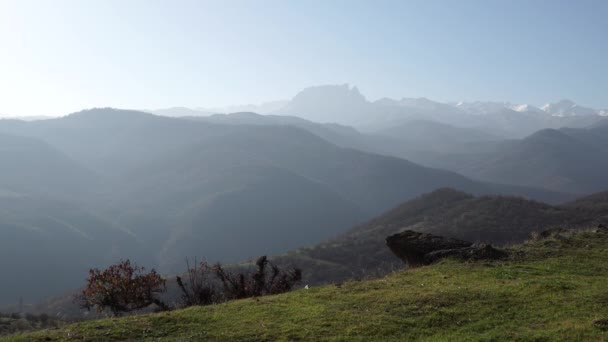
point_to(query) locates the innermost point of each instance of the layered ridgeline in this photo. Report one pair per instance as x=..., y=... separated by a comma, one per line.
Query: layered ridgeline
x=502, y=220
x=46, y=238
x=346, y=105
x=169, y=188
x=493, y=142
x=552, y=289
x=362, y=253
x=569, y=160
x=34, y=167
x=563, y=160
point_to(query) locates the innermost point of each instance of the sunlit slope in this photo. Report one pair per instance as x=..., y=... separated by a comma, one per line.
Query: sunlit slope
x=550, y=290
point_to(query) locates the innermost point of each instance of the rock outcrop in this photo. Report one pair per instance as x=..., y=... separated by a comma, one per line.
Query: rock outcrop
x=417, y=249
x=474, y=252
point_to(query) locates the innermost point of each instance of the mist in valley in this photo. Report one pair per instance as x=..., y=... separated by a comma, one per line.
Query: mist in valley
x=159, y=132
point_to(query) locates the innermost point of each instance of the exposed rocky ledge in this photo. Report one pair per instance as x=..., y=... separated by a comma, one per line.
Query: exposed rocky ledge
x=417, y=249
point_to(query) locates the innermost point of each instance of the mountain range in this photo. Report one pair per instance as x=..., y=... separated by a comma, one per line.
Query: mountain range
x=89, y=188
x=159, y=189
x=569, y=160
x=345, y=105
x=572, y=160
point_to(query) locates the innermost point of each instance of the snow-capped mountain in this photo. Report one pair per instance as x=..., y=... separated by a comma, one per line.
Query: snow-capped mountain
x=563, y=108
x=568, y=108
x=344, y=104
x=526, y=108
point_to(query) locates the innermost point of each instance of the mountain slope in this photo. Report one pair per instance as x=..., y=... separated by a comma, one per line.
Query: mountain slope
x=425, y=131
x=568, y=160
x=554, y=291
x=323, y=191
x=45, y=238
x=499, y=220
x=112, y=141
x=275, y=212
x=29, y=166
x=552, y=159
x=47, y=246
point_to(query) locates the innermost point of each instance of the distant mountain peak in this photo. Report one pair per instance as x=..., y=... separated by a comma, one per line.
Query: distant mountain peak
x=567, y=108
x=341, y=92
x=525, y=108
x=561, y=104
x=329, y=103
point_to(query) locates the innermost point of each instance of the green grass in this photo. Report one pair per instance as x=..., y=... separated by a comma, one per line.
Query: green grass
x=553, y=290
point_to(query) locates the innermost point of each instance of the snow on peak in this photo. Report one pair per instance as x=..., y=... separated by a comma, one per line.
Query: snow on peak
x=525, y=108
x=567, y=108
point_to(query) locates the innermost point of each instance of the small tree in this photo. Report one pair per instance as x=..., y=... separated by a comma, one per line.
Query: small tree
x=122, y=288
x=259, y=283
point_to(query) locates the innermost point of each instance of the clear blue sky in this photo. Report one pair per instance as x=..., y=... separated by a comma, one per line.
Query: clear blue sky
x=59, y=56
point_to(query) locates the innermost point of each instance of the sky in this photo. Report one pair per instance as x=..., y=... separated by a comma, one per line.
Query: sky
x=61, y=56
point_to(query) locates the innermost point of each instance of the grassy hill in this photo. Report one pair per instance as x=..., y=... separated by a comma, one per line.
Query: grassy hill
x=552, y=289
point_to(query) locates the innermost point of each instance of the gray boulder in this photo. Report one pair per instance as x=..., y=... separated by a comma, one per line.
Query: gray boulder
x=411, y=246
x=418, y=249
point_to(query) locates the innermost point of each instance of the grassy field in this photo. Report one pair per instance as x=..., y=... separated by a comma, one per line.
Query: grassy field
x=554, y=289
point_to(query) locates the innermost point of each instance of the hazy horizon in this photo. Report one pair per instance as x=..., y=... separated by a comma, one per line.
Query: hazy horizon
x=64, y=56
x=246, y=107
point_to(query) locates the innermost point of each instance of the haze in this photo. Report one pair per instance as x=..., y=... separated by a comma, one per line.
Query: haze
x=58, y=57
x=323, y=148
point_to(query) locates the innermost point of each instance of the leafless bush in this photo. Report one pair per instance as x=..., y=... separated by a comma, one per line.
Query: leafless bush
x=198, y=288
x=260, y=283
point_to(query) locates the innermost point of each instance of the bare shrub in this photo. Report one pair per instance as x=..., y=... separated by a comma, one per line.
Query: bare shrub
x=198, y=288
x=260, y=283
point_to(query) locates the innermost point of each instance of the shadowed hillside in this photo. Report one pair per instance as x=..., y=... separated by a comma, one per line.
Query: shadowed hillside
x=569, y=160
x=33, y=167
x=500, y=220
x=47, y=246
